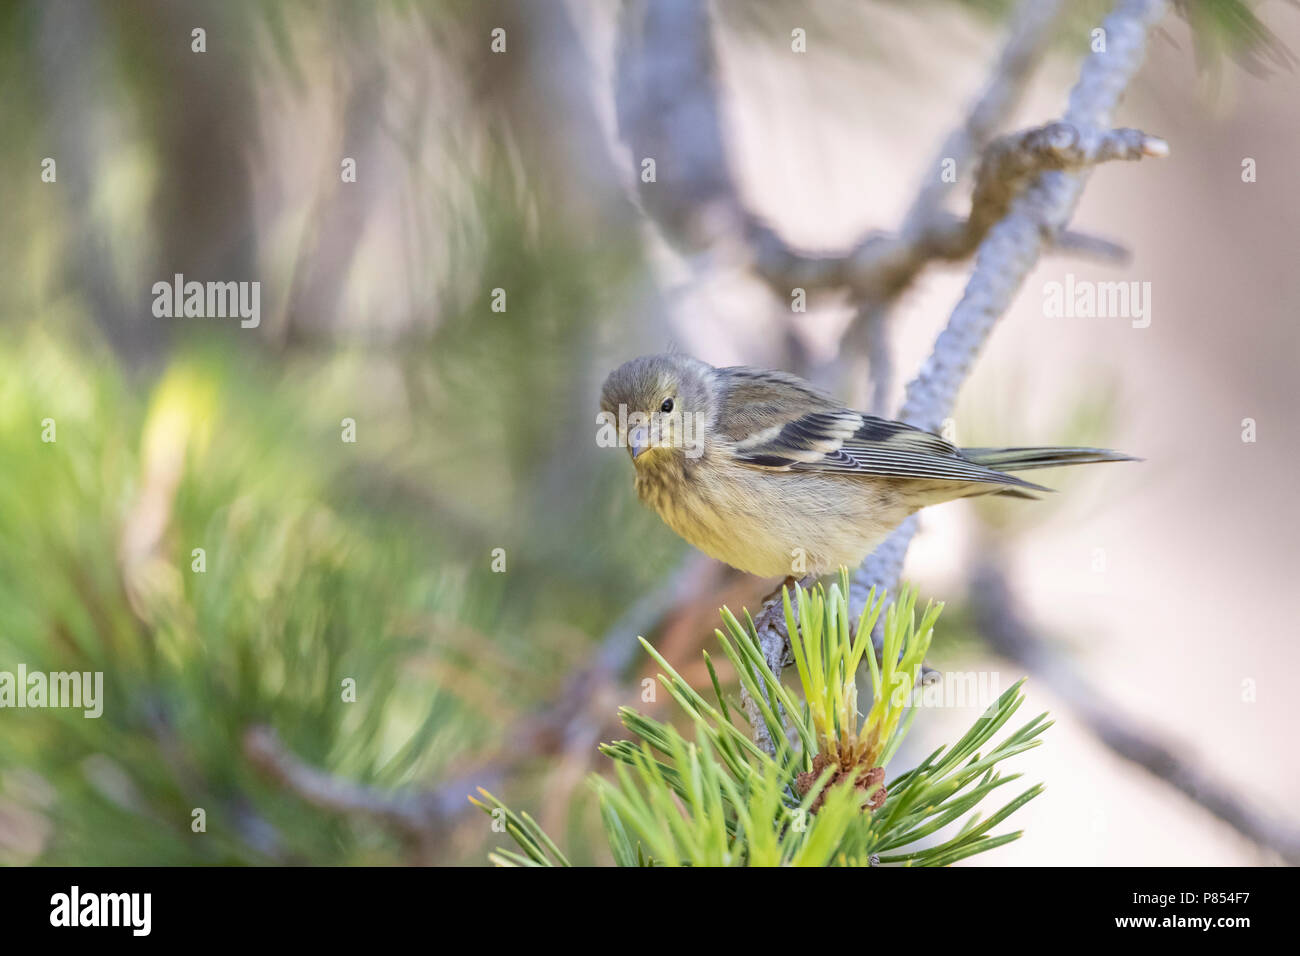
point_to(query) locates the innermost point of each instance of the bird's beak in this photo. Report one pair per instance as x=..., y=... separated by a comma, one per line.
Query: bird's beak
x=638, y=441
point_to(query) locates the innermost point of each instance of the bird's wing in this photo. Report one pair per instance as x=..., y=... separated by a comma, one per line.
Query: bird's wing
x=777, y=422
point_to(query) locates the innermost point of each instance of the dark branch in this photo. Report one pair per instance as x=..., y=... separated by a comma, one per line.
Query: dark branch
x=999, y=621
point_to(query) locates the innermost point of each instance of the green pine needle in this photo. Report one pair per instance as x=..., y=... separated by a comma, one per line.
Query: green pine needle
x=700, y=792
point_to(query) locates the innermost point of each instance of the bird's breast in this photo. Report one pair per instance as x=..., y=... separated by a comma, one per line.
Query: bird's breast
x=772, y=523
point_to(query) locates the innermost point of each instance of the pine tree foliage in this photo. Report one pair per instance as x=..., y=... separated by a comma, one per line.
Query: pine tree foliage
x=707, y=795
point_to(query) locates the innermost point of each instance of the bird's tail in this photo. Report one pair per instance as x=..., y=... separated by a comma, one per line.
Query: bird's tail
x=1022, y=459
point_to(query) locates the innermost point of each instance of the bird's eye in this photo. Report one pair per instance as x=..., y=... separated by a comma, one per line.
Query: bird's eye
x=667, y=406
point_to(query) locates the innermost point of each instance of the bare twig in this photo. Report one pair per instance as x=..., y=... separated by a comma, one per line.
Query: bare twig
x=999, y=620
x=1091, y=247
x=1012, y=161
x=1032, y=25
x=668, y=111
x=927, y=228
x=1012, y=247
x=569, y=724
x=1037, y=162
x=418, y=816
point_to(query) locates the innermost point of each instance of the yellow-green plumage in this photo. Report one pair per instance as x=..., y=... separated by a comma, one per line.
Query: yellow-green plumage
x=781, y=479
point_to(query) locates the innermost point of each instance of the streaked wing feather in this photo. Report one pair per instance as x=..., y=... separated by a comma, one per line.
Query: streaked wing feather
x=777, y=427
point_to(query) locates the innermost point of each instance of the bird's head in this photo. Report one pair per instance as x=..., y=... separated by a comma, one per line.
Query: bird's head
x=659, y=405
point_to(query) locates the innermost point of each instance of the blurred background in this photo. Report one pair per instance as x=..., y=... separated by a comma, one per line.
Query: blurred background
x=473, y=562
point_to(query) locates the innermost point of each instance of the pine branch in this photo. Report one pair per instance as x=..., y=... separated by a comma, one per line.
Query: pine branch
x=706, y=795
x=420, y=818
x=569, y=724
x=1001, y=623
x=1033, y=180
x=668, y=110
x=1013, y=244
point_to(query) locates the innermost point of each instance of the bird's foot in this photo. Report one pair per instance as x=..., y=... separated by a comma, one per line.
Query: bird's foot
x=770, y=626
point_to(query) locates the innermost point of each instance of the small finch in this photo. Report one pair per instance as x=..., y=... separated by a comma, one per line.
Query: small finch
x=766, y=473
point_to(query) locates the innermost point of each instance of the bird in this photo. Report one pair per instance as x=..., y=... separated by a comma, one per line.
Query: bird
x=767, y=473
